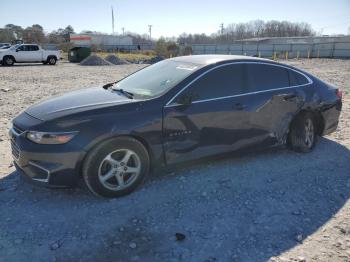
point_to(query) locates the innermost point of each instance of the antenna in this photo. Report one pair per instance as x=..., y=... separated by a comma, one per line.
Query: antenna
x=112, y=21
x=150, y=31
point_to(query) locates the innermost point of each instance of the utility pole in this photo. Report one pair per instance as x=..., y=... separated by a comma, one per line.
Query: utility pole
x=222, y=29
x=150, y=31
x=112, y=20
x=123, y=30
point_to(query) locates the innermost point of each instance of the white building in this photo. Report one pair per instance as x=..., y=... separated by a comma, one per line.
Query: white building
x=102, y=41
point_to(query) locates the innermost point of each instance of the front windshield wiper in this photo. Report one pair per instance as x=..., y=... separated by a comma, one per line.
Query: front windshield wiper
x=106, y=86
x=125, y=93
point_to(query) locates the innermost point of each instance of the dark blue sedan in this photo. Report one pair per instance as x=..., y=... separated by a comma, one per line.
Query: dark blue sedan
x=176, y=110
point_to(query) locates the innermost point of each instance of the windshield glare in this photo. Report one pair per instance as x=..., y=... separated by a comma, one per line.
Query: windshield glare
x=156, y=79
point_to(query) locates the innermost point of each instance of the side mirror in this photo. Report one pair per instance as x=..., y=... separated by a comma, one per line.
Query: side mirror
x=185, y=100
x=17, y=50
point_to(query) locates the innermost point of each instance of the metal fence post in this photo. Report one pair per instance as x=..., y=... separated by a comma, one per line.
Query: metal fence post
x=333, y=49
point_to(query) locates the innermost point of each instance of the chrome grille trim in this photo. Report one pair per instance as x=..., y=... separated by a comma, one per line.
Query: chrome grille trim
x=16, y=152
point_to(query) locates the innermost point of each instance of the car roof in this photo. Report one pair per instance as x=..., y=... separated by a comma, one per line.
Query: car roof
x=213, y=59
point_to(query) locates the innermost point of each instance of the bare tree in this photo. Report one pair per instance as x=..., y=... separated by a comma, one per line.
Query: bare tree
x=255, y=28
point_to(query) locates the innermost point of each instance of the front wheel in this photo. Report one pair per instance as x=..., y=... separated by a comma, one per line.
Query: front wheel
x=302, y=135
x=116, y=167
x=8, y=61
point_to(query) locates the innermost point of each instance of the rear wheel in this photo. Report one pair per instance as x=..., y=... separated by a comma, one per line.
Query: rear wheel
x=116, y=167
x=51, y=60
x=8, y=61
x=302, y=136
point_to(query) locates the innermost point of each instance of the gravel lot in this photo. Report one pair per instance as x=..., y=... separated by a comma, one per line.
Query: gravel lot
x=274, y=205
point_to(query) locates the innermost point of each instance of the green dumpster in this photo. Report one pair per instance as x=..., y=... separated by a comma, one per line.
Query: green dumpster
x=79, y=53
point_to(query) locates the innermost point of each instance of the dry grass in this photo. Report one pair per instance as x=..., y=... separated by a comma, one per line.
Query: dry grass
x=127, y=56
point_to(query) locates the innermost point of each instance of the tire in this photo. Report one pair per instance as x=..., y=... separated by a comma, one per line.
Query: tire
x=302, y=135
x=51, y=60
x=8, y=61
x=106, y=173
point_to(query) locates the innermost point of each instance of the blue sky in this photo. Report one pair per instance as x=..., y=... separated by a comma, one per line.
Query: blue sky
x=171, y=18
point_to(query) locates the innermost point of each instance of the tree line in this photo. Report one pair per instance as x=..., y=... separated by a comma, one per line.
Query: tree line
x=228, y=34
x=34, y=34
x=253, y=29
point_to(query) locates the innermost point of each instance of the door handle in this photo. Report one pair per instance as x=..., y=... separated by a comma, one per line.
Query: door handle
x=289, y=97
x=238, y=106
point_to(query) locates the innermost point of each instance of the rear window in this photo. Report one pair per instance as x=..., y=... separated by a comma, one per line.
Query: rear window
x=264, y=77
x=297, y=78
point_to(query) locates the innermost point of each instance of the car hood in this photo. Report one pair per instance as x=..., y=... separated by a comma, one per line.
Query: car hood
x=75, y=102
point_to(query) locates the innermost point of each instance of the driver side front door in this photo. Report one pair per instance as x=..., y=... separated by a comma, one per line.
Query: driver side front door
x=215, y=121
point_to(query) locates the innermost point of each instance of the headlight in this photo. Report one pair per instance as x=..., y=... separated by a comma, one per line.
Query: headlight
x=50, y=138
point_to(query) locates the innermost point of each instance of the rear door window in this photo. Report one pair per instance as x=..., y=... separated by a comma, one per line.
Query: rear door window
x=33, y=48
x=296, y=79
x=223, y=81
x=264, y=77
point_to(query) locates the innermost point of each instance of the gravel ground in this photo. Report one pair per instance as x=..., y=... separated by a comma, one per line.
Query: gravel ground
x=274, y=205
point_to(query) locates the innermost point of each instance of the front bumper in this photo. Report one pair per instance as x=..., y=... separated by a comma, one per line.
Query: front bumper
x=51, y=165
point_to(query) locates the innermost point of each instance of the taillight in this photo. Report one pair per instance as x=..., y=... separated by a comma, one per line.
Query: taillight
x=339, y=93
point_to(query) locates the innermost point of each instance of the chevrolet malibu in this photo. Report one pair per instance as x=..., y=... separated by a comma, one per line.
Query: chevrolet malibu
x=177, y=110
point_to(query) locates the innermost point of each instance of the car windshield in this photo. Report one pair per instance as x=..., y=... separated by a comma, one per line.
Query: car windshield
x=156, y=79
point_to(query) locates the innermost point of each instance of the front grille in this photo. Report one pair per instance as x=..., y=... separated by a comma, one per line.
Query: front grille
x=17, y=129
x=15, y=150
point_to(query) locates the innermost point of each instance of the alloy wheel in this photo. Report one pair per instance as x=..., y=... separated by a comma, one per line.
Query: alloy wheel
x=309, y=133
x=9, y=61
x=119, y=169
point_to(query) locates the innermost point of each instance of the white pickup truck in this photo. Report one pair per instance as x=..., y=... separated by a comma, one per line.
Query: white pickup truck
x=28, y=53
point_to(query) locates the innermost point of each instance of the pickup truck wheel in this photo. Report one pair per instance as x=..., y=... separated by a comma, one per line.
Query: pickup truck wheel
x=52, y=60
x=8, y=61
x=116, y=167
